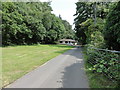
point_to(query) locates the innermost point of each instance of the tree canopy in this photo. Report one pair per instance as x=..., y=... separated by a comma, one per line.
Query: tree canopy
x=85, y=11
x=112, y=28
x=32, y=23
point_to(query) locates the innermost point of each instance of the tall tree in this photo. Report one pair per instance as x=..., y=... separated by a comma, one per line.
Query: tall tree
x=86, y=10
x=69, y=33
x=112, y=28
x=30, y=23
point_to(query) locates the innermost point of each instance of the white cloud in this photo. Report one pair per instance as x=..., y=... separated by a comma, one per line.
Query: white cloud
x=66, y=8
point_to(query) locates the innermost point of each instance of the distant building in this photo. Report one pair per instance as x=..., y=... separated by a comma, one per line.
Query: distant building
x=68, y=41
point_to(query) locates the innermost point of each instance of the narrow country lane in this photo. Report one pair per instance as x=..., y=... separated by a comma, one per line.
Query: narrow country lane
x=63, y=71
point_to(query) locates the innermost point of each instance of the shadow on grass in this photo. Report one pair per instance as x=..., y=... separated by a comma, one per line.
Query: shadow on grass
x=51, y=45
x=61, y=46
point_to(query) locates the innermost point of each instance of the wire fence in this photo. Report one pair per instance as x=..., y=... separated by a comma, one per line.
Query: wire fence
x=113, y=51
x=111, y=68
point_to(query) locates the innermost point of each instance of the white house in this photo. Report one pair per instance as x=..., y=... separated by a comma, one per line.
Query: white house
x=68, y=41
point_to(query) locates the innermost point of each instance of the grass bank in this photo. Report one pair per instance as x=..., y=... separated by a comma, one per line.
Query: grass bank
x=97, y=80
x=19, y=60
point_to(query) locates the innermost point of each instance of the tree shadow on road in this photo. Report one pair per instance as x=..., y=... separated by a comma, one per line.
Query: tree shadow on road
x=74, y=75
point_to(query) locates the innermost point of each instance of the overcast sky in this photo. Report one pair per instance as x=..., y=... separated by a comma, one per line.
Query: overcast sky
x=66, y=8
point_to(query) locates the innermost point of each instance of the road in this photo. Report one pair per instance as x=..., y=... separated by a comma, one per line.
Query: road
x=63, y=71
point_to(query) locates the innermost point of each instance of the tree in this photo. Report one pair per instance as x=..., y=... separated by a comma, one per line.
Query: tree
x=31, y=23
x=86, y=10
x=69, y=33
x=112, y=28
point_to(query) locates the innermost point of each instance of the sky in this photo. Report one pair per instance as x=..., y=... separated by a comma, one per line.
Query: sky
x=65, y=8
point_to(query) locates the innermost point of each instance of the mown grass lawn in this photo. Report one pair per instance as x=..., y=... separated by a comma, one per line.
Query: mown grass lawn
x=19, y=60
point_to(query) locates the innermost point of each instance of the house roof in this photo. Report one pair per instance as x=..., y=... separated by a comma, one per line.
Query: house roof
x=67, y=40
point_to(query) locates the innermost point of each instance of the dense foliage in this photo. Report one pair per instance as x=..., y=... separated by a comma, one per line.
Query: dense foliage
x=112, y=28
x=69, y=33
x=105, y=63
x=84, y=11
x=92, y=32
x=31, y=23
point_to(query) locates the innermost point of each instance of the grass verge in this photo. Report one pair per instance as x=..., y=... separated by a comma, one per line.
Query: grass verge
x=19, y=60
x=97, y=80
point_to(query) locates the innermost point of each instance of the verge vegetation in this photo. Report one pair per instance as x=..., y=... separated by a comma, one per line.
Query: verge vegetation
x=97, y=26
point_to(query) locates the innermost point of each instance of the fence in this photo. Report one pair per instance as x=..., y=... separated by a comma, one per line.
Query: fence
x=105, y=61
x=113, y=51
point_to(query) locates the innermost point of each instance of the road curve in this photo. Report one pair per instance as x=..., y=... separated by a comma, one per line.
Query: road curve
x=63, y=71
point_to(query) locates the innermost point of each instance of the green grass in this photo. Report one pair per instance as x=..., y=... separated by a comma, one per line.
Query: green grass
x=97, y=80
x=19, y=60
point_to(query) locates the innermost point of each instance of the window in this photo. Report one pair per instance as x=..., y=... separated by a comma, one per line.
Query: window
x=60, y=41
x=66, y=41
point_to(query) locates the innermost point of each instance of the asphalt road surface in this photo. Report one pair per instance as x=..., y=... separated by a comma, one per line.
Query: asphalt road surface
x=63, y=71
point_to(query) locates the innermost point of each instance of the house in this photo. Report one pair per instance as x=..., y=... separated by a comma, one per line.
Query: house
x=68, y=41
